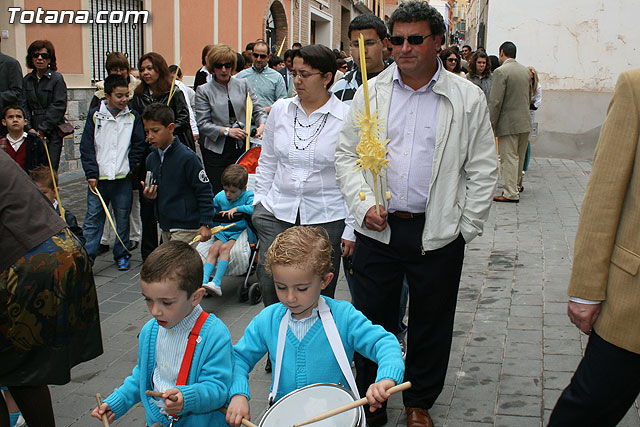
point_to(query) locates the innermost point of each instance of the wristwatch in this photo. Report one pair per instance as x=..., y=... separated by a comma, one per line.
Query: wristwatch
x=226, y=132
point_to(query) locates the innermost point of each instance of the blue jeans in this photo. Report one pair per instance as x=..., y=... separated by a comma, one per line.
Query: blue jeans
x=119, y=193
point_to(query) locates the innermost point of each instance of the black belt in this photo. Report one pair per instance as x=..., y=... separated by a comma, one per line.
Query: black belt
x=407, y=215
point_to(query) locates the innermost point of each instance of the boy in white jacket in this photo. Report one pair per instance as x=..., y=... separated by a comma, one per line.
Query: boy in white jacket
x=111, y=148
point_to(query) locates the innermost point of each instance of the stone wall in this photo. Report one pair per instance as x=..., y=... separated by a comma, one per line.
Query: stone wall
x=78, y=101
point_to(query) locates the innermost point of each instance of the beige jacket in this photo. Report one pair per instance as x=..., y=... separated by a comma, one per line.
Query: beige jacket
x=465, y=167
x=133, y=84
x=509, y=100
x=607, y=248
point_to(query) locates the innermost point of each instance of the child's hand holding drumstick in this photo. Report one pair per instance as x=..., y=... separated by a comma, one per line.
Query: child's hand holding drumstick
x=377, y=393
x=101, y=410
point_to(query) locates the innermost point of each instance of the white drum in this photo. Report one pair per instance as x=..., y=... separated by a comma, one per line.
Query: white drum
x=307, y=402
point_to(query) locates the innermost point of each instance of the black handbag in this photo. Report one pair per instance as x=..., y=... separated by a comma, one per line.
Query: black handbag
x=65, y=129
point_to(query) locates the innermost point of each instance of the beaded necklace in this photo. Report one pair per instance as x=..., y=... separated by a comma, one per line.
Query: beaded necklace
x=320, y=122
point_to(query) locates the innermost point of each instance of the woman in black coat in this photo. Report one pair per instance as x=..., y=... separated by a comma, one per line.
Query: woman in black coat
x=154, y=87
x=45, y=94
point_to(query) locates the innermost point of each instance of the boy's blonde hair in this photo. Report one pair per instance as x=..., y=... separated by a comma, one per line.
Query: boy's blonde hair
x=301, y=246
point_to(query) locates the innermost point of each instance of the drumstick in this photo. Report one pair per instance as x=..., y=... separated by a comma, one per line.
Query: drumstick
x=153, y=393
x=352, y=405
x=105, y=419
x=245, y=422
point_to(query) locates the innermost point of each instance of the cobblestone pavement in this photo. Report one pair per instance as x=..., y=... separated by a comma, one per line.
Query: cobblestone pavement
x=514, y=348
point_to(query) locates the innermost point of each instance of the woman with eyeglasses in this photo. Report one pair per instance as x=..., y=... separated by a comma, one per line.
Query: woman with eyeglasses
x=296, y=177
x=221, y=112
x=451, y=61
x=45, y=94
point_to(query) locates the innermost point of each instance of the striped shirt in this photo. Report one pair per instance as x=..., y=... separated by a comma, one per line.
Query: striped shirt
x=300, y=327
x=170, y=347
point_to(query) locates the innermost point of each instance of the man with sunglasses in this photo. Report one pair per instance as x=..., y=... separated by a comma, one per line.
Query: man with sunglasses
x=265, y=82
x=441, y=176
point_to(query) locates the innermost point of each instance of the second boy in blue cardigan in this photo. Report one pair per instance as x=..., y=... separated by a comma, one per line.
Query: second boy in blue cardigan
x=300, y=261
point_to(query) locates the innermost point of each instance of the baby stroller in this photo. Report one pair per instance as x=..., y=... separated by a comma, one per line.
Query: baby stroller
x=244, y=254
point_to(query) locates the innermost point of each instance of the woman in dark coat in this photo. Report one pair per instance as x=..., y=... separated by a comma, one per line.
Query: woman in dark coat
x=155, y=84
x=49, y=318
x=45, y=94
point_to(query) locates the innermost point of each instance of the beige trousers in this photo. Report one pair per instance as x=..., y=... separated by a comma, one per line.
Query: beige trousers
x=180, y=235
x=513, y=149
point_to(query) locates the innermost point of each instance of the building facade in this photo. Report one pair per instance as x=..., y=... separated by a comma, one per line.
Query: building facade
x=579, y=48
x=177, y=29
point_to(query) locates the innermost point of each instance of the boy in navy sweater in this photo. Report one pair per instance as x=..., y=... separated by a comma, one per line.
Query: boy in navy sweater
x=180, y=187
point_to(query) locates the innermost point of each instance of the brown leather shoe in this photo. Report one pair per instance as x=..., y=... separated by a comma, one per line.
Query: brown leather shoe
x=418, y=417
x=504, y=199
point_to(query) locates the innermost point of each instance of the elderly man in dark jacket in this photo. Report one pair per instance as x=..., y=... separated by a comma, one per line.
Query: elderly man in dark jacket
x=10, y=82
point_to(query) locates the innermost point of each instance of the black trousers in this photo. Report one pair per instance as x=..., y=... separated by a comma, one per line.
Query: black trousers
x=215, y=164
x=433, y=278
x=149, y=238
x=602, y=389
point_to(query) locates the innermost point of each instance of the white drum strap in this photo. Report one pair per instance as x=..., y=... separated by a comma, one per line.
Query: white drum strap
x=335, y=341
x=282, y=339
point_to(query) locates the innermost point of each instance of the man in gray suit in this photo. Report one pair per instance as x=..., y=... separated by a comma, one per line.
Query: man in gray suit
x=10, y=82
x=510, y=119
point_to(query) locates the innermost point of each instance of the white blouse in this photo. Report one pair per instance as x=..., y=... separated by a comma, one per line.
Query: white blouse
x=300, y=175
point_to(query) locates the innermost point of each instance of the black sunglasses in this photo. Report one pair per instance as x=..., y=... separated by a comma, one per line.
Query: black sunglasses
x=220, y=65
x=413, y=39
x=44, y=55
x=260, y=55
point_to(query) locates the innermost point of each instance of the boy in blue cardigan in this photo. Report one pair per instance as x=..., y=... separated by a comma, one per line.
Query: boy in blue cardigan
x=300, y=261
x=233, y=198
x=170, y=281
x=181, y=188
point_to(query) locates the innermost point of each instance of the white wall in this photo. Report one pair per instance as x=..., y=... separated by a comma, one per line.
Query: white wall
x=574, y=44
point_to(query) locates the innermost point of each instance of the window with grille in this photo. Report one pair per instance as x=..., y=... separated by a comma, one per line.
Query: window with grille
x=125, y=37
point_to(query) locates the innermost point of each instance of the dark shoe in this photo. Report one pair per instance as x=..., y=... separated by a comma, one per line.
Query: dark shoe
x=267, y=366
x=521, y=189
x=418, y=417
x=504, y=199
x=103, y=249
x=133, y=246
x=376, y=419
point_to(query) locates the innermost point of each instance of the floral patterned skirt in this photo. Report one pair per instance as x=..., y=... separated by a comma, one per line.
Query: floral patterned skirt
x=49, y=318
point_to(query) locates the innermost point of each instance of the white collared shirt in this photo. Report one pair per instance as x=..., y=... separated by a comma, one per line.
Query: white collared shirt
x=291, y=180
x=16, y=143
x=171, y=345
x=412, y=125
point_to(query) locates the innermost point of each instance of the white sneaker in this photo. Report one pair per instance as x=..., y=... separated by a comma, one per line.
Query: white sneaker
x=211, y=287
x=21, y=422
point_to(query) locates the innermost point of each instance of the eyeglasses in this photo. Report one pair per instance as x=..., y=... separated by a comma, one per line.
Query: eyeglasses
x=44, y=55
x=452, y=59
x=367, y=43
x=219, y=65
x=260, y=55
x=303, y=74
x=412, y=39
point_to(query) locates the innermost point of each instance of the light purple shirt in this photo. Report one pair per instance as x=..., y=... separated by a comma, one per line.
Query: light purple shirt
x=411, y=127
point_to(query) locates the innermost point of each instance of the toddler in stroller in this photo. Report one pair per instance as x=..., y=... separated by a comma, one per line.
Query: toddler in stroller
x=233, y=198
